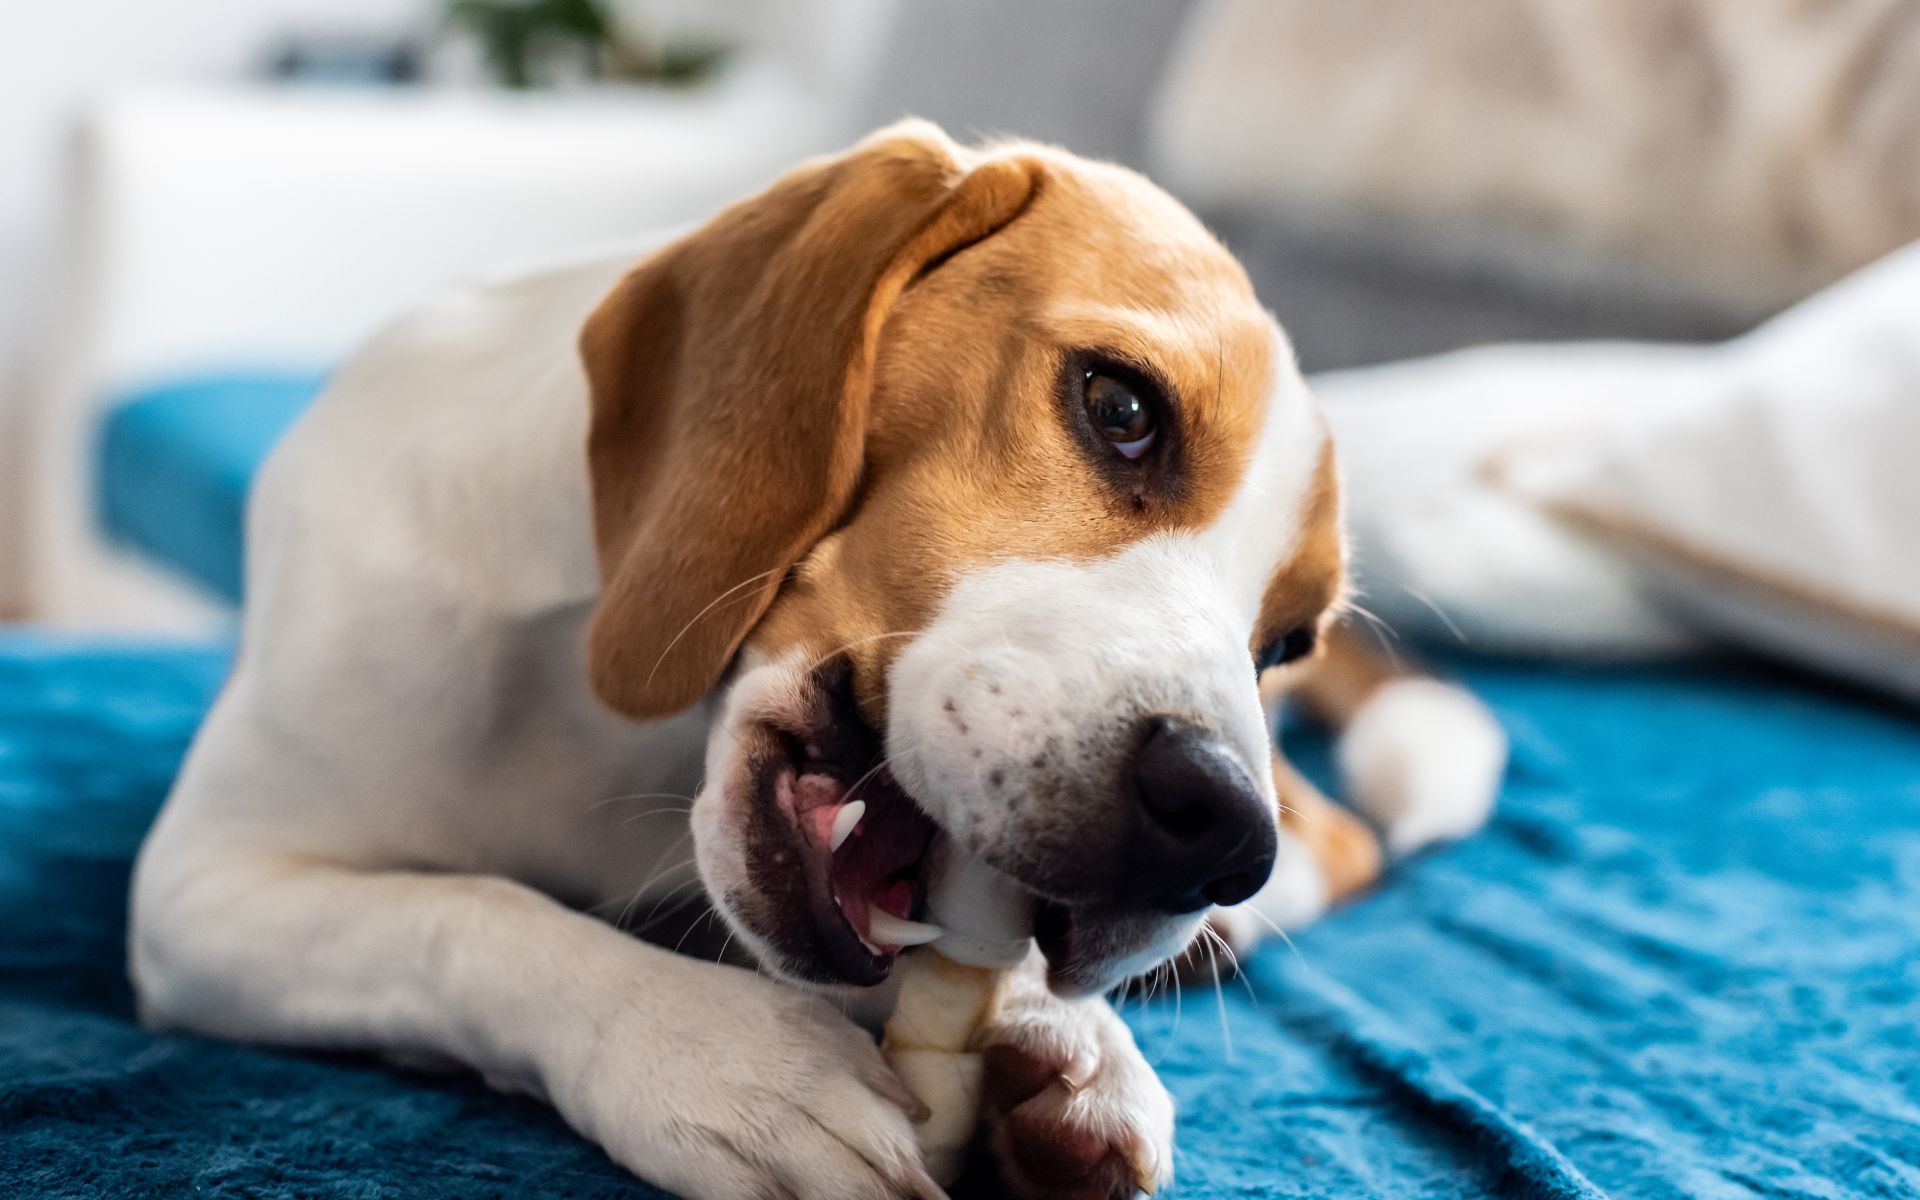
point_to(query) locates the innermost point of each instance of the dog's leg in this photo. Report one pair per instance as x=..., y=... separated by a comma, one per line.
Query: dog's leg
x=1074, y=1110
x=1343, y=848
x=705, y=1079
x=1419, y=758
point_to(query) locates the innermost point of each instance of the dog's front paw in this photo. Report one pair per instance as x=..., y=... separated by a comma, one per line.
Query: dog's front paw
x=757, y=1092
x=1073, y=1109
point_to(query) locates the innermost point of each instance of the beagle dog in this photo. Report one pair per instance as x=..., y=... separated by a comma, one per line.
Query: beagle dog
x=933, y=495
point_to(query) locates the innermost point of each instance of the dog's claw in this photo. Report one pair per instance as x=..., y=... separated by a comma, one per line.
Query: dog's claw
x=1144, y=1175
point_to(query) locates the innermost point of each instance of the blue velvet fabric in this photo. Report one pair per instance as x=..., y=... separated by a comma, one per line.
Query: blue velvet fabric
x=175, y=462
x=1683, y=961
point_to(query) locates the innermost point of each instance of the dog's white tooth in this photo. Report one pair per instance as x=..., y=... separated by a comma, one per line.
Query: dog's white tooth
x=844, y=821
x=895, y=931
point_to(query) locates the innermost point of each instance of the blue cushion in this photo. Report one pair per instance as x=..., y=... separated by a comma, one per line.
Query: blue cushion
x=1683, y=961
x=175, y=463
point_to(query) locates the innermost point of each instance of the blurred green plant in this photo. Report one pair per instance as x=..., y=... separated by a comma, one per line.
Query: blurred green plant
x=519, y=37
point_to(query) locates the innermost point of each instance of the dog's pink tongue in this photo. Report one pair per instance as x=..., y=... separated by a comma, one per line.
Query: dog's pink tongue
x=819, y=806
x=813, y=791
x=895, y=898
x=814, y=800
x=819, y=822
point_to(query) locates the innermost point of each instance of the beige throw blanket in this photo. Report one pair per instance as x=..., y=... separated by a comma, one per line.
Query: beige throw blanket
x=1744, y=151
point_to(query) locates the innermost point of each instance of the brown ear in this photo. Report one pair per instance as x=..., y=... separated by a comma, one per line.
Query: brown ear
x=729, y=378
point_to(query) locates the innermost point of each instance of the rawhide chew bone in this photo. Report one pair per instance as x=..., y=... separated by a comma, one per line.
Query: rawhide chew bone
x=949, y=990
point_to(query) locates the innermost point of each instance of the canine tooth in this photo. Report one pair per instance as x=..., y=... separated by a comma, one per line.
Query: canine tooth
x=844, y=821
x=895, y=931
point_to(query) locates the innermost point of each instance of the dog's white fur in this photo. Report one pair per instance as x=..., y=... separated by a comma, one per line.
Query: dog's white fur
x=407, y=794
x=1423, y=760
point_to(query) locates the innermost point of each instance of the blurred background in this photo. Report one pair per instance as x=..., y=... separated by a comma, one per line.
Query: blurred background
x=205, y=205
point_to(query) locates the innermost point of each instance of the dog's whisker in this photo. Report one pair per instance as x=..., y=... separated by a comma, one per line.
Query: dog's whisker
x=878, y=767
x=1423, y=598
x=1282, y=935
x=1372, y=618
x=1208, y=932
x=1170, y=986
x=1151, y=982
x=711, y=605
x=654, y=913
x=691, y=926
x=626, y=910
x=836, y=652
x=1220, y=995
x=1288, y=939
x=659, y=872
x=830, y=655
x=624, y=896
x=630, y=796
x=664, y=868
x=1275, y=926
x=633, y=902
x=1179, y=995
x=653, y=812
x=1385, y=635
x=1239, y=972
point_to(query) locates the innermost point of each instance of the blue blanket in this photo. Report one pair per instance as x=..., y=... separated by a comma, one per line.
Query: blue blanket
x=1684, y=961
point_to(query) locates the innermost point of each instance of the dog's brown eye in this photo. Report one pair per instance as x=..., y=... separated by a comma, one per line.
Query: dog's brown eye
x=1120, y=413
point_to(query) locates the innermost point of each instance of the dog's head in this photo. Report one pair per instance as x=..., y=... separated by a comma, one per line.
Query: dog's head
x=985, y=485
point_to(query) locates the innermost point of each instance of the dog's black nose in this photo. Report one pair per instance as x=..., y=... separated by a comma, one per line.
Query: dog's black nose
x=1203, y=834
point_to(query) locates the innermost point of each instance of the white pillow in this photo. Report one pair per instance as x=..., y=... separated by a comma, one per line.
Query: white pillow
x=1778, y=504
x=1442, y=553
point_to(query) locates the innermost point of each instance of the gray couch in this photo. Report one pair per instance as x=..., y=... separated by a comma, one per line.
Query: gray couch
x=1083, y=73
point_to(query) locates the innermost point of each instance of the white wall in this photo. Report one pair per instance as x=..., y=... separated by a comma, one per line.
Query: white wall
x=52, y=57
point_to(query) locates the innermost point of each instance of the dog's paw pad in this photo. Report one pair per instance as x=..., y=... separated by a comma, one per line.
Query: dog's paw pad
x=1015, y=1076
x=1044, y=1152
x=1050, y=1136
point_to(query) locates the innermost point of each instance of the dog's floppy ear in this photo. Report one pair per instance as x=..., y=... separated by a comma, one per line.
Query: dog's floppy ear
x=729, y=378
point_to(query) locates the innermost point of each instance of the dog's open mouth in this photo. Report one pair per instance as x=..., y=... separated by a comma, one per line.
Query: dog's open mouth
x=842, y=854
x=862, y=843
